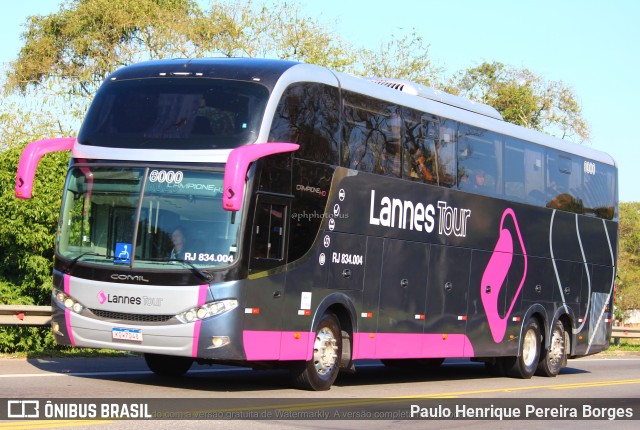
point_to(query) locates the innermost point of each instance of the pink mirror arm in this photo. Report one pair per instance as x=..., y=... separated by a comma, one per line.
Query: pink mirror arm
x=29, y=161
x=235, y=172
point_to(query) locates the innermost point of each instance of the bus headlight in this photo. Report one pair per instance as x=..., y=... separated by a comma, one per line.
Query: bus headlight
x=207, y=310
x=68, y=302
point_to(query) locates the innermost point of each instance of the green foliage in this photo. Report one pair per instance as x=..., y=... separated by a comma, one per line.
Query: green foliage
x=29, y=226
x=628, y=296
x=392, y=61
x=78, y=46
x=21, y=339
x=25, y=339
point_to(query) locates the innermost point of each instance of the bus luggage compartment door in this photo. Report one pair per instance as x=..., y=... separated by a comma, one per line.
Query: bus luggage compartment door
x=346, y=258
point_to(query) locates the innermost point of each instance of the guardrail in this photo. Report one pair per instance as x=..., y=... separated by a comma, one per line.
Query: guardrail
x=625, y=332
x=24, y=315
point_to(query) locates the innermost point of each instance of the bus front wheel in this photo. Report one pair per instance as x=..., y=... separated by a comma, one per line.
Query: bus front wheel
x=168, y=365
x=320, y=373
x=525, y=364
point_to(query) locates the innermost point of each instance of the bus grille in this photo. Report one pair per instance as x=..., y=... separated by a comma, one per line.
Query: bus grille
x=131, y=317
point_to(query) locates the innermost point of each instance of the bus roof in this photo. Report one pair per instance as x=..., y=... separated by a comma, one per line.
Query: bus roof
x=277, y=74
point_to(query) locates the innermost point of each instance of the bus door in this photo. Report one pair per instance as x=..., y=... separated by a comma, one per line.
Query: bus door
x=403, y=289
x=346, y=258
x=269, y=234
x=447, y=293
x=264, y=297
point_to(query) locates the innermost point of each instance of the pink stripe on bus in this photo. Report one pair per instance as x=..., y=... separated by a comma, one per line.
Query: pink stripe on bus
x=410, y=345
x=495, y=274
x=288, y=345
x=66, y=279
x=277, y=345
x=202, y=299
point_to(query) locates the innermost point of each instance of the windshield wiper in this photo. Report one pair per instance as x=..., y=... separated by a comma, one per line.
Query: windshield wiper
x=201, y=273
x=73, y=262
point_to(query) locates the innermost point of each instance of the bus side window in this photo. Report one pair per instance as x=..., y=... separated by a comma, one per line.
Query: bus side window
x=599, y=189
x=563, y=183
x=514, y=170
x=429, y=154
x=307, y=114
x=479, y=161
x=534, y=175
x=420, y=131
x=371, y=136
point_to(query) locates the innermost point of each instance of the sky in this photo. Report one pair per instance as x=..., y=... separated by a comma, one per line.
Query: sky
x=591, y=46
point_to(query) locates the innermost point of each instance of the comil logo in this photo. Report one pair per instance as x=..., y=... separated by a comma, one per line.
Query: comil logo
x=102, y=297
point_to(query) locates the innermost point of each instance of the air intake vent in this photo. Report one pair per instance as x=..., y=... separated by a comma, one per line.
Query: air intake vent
x=414, y=89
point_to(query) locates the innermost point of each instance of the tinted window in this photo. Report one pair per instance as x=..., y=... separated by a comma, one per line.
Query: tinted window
x=371, y=135
x=167, y=113
x=479, y=161
x=599, y=189
x=514, y=170
x=564, y=182
x=308, y=114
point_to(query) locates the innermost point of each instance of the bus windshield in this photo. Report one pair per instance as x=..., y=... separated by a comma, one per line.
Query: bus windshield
x=175, y=113
x=146, y=218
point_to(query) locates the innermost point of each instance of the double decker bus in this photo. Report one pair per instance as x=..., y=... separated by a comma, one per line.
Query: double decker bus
x=269, y=213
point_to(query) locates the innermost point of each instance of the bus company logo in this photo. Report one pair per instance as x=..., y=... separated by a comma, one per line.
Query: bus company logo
x=102, y=297
x=129, y=300
x=405, y=214
x=124, y=277
x=23, y=409
x=309, y=189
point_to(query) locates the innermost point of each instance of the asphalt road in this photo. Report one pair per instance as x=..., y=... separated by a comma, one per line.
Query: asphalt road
x=372, y=389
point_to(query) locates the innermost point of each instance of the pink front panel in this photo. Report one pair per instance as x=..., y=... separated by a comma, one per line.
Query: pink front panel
x=276, y=345
x=261, y=345
x=296, y=346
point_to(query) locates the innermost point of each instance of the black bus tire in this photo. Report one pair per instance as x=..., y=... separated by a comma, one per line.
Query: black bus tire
x=553, y=359
x=168, y=365
x=525, y=364
x=320, y=373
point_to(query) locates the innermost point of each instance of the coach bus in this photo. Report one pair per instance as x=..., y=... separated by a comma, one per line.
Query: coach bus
x=268, y=213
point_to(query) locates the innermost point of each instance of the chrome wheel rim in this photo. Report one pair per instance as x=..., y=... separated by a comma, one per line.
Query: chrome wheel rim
x=325, y=350
x=529, y=348
x=556, y=350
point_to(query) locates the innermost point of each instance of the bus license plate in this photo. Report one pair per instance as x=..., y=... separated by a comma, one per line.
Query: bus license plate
x=126, y=334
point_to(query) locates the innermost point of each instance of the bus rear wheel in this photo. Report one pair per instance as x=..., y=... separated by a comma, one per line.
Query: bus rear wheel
x=554, y=359
x=168, y=365
x=320, y=373
x=525, y=364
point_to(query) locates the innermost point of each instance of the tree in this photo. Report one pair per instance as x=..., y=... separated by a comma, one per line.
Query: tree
x=402, y=58
x=628, y=296
x=523, y=98
x=71, y=52
x=27, y=228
